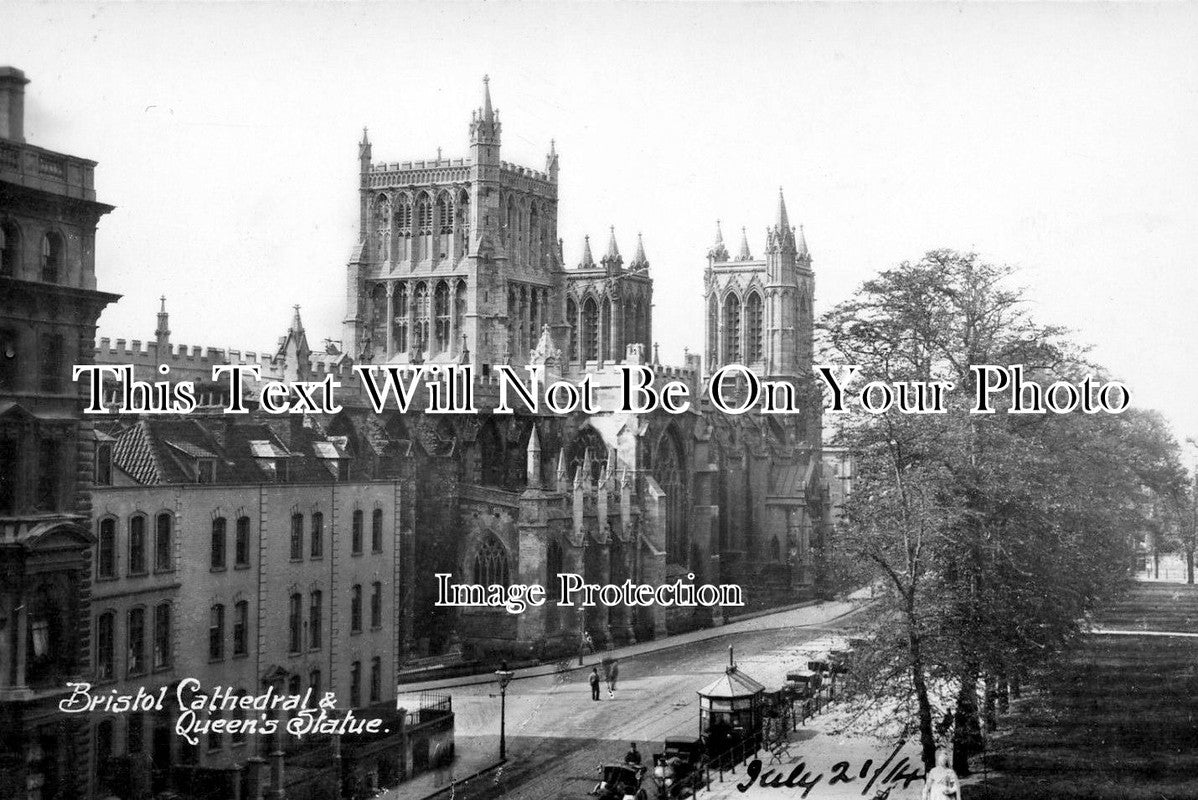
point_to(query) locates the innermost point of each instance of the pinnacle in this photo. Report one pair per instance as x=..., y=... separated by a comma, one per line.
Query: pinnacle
x=745, y=255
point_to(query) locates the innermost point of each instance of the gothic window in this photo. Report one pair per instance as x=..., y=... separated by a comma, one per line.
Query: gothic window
x=164, y=554
x=589, y=441
x=424, y=227
x=162, y=635
x=667, y=468
x=52, y=257
x=590, y=330
x=753, y=333
x=105, y=647
x=509, y=228
x=534, y=236
x=713, y=332
x=534, y=311
x=242, y=542
x=420, y=334
x=376, y=531
x=355, y=609
x=463, y=218
x=572, y=318
x=217, y=555
x=137, y=544
x=459, y=309
x=731, y=329
x=382, y=226
x=137, y=641
x=9, y=239
x=399, y=304
x=444, y=224
x=441, y=309
x=606, y=331
x=378, y=314
x=775, y=550
x=106, y=549
x=403, y=227
x=490, y=563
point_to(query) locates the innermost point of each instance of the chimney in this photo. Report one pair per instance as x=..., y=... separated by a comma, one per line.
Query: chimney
x=12, y=104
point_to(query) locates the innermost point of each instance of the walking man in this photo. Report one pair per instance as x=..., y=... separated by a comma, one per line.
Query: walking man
x=612, y=674
x=594, y=683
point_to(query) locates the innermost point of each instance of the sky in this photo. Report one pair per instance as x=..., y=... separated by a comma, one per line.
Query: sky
x=1059, y=138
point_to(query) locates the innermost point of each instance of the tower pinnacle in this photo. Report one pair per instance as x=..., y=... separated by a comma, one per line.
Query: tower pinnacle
x=718, y=252
x=488, y=114
x=744, y=255
x=639, y=261
x=783, y=219
x=588, y=261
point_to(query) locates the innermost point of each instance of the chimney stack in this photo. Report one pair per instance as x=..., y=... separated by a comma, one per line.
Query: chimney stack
x=12, y=104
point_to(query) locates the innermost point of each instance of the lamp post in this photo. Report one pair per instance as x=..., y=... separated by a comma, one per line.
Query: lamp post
x=504, y=677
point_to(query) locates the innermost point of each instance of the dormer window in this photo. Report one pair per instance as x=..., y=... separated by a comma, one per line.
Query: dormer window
x=271, y=459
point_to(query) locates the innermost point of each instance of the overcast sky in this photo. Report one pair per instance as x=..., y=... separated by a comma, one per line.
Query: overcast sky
x=1059, y=138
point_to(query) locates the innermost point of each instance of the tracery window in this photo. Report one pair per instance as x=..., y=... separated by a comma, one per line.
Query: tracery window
x=590, y=330
x=753, y=332
x=441, y=309
x=490, y=563
x=421, y=304
x=459, y=308
x=399, y=304
x=731, y=329
x=572, y=318
x=713, y=331
x=668, y=472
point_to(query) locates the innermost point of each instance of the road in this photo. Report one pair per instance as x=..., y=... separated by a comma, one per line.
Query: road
x=556, y=735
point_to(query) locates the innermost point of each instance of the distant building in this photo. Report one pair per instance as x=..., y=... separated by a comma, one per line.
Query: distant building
x=48, y=311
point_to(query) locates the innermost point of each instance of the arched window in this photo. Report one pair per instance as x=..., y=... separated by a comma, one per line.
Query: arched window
x=754, y=351
x=162, y=635
x=52, y=257
x=9, y=248
x=459, y=309
x=317, y=541
x=441, y=311
x=137, y=544
x=297, y=536
x=216, y=632
x=295, y=623
x=606, y=345
x=590, y=330
x=241, y=627
x=421, y=303
x=399, y=304
x=444, y=225
x=315, y=618
x=731, y=329
x=105, y=646
x=355, y=609
x=218, y=543
x=242, y=547
x=164, y=554
x=509, y=228
x=775, y=549
x=463, y=218
x=667, y=470
x=376, y=605
x=713, y=333
x=137, y=641
x=376, y=531
x=403, y=228
x=534, y=316
x=572, y=319
x=534, y=237
x=106, y=549
x=490, y=563
x=355, y=538
x=424, y=227
x=376, y=679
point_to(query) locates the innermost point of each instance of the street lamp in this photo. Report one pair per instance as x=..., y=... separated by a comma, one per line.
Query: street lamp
x=504, y=677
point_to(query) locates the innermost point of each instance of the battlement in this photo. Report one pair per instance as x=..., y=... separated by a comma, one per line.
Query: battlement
x=408, y=173
x=523, y=172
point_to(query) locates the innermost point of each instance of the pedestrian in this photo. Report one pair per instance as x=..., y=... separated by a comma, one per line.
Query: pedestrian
x=594, y=683
x=941, y=781
x=633, y=756
x=612, y=674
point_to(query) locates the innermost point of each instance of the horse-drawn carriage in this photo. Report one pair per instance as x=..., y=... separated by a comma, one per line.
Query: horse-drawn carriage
x=620, y=782
x=675, y=766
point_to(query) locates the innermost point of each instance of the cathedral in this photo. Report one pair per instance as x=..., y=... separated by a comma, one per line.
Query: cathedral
x=458, y=261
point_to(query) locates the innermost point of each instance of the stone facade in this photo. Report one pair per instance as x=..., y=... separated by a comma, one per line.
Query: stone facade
x=48, y=311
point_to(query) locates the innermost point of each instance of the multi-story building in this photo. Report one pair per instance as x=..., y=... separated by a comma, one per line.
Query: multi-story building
x=49, y=305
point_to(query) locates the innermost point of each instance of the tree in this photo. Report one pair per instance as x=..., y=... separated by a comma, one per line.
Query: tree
x=996, y=534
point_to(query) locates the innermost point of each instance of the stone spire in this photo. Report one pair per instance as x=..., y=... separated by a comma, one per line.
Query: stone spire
x=484, y=123
x=612, y=260
x=551, y=161
x=744, y=254
x=534, y=460
x=588, y=261
x=783, y=222
x=718, y=252
x=781, y=236
x=802, y=245
x=488, y=114
x=639, y=261
x=297, y=325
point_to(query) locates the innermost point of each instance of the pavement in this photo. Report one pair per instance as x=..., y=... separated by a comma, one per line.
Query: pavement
x=556, y=735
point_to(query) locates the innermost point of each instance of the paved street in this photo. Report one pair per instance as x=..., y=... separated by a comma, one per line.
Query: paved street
x=556, y=735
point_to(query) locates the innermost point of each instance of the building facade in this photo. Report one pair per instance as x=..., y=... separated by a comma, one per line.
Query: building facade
x=49, y=305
